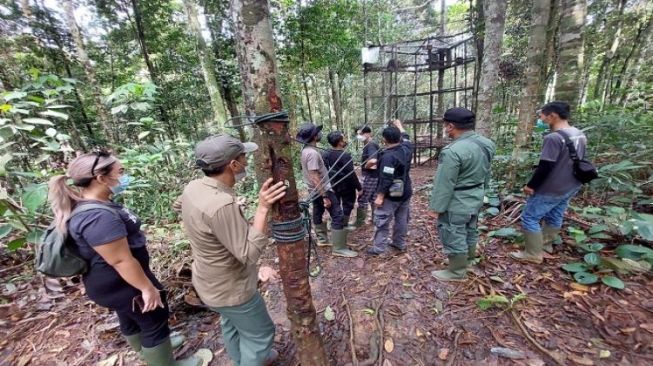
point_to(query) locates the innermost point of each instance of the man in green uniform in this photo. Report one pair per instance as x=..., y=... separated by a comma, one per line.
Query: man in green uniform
x=458, y=189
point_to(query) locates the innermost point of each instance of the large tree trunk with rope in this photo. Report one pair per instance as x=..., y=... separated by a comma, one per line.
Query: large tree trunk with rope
x=257, y=59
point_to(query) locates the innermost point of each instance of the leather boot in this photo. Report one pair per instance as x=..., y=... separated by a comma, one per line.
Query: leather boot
x=322, y=234
x=532, y=248
x=161, y=355
x=361, y=215
x=339, y=239
x=549, y=234
x=456, y=269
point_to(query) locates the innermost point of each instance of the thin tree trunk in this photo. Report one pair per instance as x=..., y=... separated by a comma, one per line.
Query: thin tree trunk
x=495, y=19
x=613, y=30
x=207, y=63
x=644, y=37
x=643, y=34
x=103, y=114
x=570, y=61
x=257, y=60
x=335, y=95
x=533, y=90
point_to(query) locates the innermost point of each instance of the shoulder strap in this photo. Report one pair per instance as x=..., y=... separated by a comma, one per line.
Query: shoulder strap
x=92, y=206
x=487, y=154
x=570, y=145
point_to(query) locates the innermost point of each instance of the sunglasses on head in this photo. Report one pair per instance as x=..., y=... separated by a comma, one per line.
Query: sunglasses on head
x=98, y=155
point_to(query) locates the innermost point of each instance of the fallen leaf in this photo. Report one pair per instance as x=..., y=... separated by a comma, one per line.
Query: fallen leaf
x=266, y=274
x=368, y=311
x=387, y=362
x=108, y=362
x=443, y=354
x=497, y=279
x=535, y=362
x=389, y=345
x=23, y=361
x=647, y=326
x=329, y=314
x=581, y=360
x=579, y=287
x=628, y=330
x=604, y=353
x=106, y=327
x=53, y=284
x=418, y=333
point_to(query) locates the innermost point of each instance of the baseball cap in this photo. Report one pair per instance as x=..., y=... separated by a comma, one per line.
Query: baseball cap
x=219, y=150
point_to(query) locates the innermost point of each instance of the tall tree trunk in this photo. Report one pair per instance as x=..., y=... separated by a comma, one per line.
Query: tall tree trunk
x=106, y=121
x=140, y=35
x=642, y=41
x=570, y=59
x=258, y=69
x=335, y=95
x=207, y=63
x=613, y=30
x=533, y=87
x=477, y=24
x=495, y=19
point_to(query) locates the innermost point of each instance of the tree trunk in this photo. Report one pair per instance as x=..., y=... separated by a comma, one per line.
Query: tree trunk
x=644, y=36
x=140, y=34
x=570, y=59
x=335, y=95
x=495, y=19
x=533, y=87
x=103, y=114
x=207, y=63
x=257, y=60
x=613, y=30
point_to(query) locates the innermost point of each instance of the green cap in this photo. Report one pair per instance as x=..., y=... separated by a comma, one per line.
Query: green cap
x=216, y=151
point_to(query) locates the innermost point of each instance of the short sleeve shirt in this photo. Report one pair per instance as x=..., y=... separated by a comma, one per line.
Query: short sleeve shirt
x=96, y=227
x=561, y=179
x=311, y=161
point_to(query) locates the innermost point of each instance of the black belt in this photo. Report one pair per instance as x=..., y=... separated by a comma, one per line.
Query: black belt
x=467, y=188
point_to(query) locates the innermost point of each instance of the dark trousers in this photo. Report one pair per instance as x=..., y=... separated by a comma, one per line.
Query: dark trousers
x=335, y=211
x=152, y=326
x=346, y=200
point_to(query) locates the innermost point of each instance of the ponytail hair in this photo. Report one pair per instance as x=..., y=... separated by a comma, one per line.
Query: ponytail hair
x=63, y=199
x=82, y=170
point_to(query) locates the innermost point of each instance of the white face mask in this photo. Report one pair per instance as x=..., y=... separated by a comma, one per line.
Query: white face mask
x=360, y=138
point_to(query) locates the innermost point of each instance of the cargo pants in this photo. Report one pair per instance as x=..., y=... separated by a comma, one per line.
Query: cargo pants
x=458, y=232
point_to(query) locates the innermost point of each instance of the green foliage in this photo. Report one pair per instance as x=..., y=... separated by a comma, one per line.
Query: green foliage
x=499, y=301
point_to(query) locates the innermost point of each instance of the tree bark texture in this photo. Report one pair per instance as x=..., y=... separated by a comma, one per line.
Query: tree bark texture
x=208, y=66
x=613, y=30
x=256, y=56
x=495, y=19
x=335, y=95
x=104, y=117
x=570, y=51
x=533, y=91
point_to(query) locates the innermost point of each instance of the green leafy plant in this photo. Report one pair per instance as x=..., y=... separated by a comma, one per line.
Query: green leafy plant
x=499, y=301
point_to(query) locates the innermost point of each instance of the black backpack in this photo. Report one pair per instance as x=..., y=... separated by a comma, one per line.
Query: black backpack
x=57, y=254
x=584, y=170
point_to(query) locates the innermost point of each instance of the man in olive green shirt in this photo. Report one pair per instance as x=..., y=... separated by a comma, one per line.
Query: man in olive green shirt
x=459, y=186
x=225, y=248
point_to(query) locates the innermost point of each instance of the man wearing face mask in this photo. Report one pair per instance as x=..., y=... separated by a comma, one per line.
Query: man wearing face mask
x=459, y=185
x=317, y=180
x=226, y=248
x=369, y=159
x=341, y=172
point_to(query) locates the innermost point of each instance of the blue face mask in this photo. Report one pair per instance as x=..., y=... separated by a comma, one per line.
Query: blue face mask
x=540, y=125
x=123, y=183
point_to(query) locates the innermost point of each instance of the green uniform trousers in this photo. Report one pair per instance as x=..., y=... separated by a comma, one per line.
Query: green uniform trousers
x=457, y=232
x=248, y=331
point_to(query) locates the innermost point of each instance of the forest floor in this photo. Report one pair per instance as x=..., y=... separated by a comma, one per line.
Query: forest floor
x=393, y=302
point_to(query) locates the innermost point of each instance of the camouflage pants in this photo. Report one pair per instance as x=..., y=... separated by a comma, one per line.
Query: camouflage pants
x=457, y=232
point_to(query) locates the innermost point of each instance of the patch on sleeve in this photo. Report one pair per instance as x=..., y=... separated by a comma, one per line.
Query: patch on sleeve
x=388, y=170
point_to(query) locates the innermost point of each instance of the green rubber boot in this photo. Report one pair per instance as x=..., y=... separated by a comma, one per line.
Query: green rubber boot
x=339, y=239
x=456, y=269
x=322, y=234
x=161, y=355
x=549, y=234
x=134, y=342
x=532, y=248
x=361, y=216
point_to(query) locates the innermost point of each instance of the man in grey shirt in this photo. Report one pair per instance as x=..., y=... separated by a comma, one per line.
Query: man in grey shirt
x=552, y=185
x=316, y=177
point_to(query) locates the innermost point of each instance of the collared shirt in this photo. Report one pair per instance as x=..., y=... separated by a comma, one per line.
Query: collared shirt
x=463, y=174
x=225, y=248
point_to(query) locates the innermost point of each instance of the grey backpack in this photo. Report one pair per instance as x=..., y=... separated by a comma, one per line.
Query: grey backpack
x=57, y=254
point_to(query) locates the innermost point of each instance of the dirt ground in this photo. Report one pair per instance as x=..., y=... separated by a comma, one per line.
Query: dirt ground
x=393, y=302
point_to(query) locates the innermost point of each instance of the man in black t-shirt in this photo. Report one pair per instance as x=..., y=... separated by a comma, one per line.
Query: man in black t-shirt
x=344, y=181
x=369, y=159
